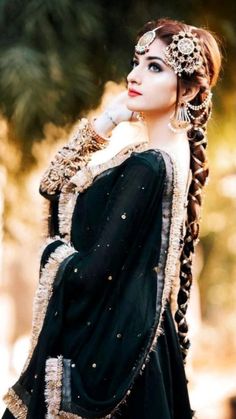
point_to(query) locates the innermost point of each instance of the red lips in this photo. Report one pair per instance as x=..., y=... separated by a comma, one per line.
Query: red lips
x=132, y=93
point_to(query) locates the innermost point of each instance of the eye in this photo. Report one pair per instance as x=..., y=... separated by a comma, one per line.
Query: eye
x=134, y=62
x=154, y=67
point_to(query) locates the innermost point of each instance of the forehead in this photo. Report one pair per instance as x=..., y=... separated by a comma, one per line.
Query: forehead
x=156, y=48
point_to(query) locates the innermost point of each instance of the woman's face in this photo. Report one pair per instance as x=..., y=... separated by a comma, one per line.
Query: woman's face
x=154, y=82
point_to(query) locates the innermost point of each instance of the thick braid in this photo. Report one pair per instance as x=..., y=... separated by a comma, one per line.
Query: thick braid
x=200, y=171
x=199, y=111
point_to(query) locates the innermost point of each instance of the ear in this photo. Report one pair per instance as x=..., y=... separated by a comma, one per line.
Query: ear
x=188, y=93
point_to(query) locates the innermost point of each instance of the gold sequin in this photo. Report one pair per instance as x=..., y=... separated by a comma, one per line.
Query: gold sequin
x=94, y=365
x=109, y=277
x=119, y=335
x=123, y=216
x=76, y=270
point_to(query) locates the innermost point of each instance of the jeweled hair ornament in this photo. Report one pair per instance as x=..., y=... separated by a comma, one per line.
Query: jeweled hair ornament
x=183, y=54
x=145, y=40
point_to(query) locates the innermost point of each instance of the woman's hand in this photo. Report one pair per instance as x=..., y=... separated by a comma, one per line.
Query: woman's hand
x=117, y=109
x=115, y=113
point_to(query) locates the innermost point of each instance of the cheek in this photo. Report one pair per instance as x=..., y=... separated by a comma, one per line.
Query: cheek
x=162, y=90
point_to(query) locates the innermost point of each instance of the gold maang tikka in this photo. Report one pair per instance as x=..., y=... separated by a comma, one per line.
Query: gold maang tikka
x=145, y=40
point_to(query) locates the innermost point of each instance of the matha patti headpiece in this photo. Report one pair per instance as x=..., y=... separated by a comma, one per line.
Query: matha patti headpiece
x=183, y=54
x=145, y=40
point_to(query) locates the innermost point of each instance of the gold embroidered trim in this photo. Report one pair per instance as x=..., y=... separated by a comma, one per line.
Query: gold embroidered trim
x=66, y=415
x=174, y=249
x=45, y=218
x=66, y=208
x=44, y=291
x=52, y=392
x=15, y=404
x=82, y=180
x=70, y=158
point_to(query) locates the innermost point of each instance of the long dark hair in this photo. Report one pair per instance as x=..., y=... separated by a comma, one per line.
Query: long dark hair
x=204, y=78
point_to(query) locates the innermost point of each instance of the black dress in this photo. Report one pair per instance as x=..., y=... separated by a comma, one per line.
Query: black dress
x=104, y=341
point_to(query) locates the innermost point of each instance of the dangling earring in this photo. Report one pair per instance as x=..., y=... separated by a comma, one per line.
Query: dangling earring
x=140, y=116
x=180, y=121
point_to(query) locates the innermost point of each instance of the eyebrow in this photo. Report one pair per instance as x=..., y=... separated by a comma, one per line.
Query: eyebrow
x=149, y=58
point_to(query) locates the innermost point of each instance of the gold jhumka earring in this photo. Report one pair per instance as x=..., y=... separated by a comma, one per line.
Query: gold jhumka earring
x=183, y=117
x=180, y=121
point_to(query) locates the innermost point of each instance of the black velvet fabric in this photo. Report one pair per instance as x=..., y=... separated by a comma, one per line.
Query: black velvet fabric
x=106, y=304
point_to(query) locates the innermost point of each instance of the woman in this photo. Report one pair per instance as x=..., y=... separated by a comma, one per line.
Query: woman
x=121, y=235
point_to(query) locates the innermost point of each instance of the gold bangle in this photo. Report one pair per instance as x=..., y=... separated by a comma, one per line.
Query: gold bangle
x=95, y=135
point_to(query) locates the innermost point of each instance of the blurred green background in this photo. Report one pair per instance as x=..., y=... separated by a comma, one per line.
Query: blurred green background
x=56, y=57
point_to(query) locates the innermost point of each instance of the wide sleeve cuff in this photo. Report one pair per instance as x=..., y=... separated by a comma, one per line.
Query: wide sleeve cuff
x=69, y=159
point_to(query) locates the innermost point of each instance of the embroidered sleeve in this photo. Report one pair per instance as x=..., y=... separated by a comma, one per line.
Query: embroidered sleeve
x=70, y=158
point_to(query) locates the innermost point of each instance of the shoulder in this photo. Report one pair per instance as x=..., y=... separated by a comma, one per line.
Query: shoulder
x=152, y=159
x=148, y=166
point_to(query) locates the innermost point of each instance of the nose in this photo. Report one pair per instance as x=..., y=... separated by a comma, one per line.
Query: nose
x=134, y=76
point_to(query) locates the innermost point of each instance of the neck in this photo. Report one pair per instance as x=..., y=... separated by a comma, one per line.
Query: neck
x=159, y=134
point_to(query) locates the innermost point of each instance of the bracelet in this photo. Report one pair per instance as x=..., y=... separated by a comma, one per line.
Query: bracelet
x=111, y=119
x=95, y=135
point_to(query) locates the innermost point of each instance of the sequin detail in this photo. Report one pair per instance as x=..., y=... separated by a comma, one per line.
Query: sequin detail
x=53, y=379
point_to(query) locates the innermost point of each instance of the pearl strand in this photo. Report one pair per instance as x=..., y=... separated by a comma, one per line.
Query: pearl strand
x=204, y=104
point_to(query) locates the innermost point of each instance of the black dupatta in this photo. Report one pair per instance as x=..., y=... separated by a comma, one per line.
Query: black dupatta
x=107, y=291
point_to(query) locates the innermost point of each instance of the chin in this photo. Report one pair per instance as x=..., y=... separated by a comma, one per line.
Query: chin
x=133, y=108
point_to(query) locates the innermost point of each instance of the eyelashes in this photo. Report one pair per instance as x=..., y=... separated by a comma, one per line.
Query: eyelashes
x=152, y=66
x=155, y=67
x=133, y=62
